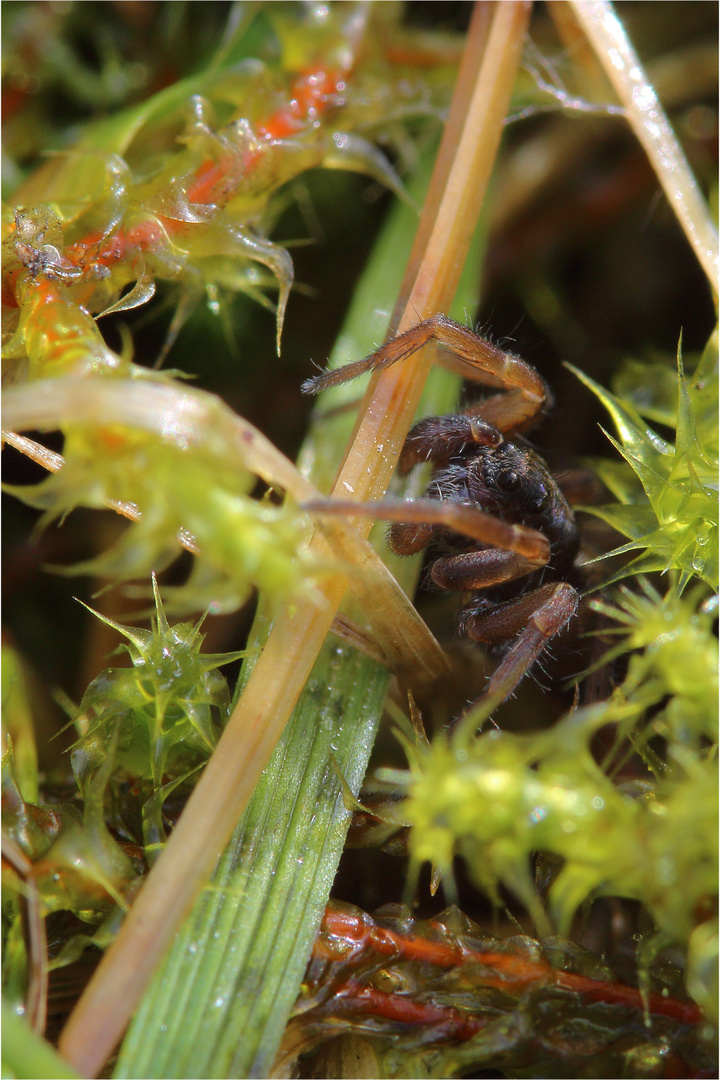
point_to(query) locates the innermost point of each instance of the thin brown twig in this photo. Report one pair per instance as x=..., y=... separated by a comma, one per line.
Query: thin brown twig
x=54, y=462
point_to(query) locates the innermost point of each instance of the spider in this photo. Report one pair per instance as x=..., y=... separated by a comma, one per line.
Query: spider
x=497, y=523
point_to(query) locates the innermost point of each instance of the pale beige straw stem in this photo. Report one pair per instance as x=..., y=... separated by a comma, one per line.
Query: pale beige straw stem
x=647, y=118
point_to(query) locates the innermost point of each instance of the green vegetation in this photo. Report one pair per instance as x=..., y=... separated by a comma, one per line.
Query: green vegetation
x=186, y=193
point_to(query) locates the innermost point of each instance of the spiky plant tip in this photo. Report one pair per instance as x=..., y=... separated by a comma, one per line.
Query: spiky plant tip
x=514, y=795
x=673, y=661
x=168, y=707
x=668, y=504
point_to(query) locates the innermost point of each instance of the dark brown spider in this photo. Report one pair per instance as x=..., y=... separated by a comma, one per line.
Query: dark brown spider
x=487, y=484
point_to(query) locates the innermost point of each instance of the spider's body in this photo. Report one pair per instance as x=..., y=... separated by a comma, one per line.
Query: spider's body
x=493, y=517
x=511, y=482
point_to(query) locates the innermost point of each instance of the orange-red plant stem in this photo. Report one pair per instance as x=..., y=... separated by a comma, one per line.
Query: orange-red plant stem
x=346, y=935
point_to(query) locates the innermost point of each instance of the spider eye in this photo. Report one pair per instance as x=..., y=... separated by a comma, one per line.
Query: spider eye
x=507, y=481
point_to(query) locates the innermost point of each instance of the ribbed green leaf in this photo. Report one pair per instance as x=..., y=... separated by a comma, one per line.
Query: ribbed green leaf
x=26, y=1055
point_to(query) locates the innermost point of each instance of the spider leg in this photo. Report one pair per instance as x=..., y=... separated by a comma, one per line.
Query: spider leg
x=536, y=618
x=459, y=517
x=470, y=356
x=407, y=539
x=480, y=569
x=440, y=438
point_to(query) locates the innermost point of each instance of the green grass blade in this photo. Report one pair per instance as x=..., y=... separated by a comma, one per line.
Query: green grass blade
x=26, y=1055
x=221, y=1002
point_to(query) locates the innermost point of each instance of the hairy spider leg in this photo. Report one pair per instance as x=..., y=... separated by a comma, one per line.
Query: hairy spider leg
x=473, y=357
x=480, y=569
x=536, y=618
x=440, y=438
x=423, y=515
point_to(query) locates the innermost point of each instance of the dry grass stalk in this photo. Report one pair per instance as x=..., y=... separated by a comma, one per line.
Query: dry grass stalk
x=647, y=118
